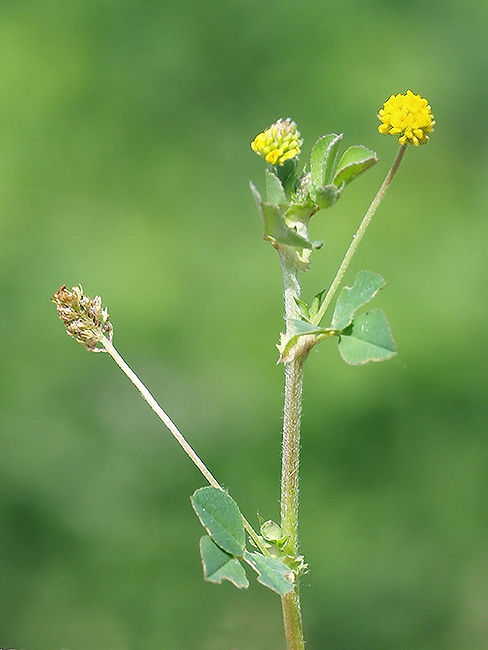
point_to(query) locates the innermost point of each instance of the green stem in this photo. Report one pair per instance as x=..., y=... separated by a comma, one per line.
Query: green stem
x=290, y=465
x=290, y=460
x=292, y=618
x=173, y=429
x=357, y=237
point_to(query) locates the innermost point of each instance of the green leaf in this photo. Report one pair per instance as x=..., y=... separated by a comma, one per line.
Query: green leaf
x=275, y=193
x=366, y=286
x=303, y=309
x=368, y=338
x=315, y=306
x=300, y=213
x=219, y=565
x=255, y=192
x=287, y=173
x=326, y=195
x=272, y=573
x=323, y=157
x=354, y=161
x=276, y=228
x=220, y=516
x=272, y=532
x=297, y=327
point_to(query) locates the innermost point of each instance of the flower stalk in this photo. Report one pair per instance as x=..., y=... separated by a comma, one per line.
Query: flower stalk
x=357, y=237
x=162, y=415
x=88, y=323
x=172, y=428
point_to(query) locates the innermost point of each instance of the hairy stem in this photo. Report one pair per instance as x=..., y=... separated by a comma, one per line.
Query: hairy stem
x=290, y=461
x=292, y=620
x=290, y=465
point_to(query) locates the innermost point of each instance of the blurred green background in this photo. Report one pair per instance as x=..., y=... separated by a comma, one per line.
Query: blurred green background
x=125, y=160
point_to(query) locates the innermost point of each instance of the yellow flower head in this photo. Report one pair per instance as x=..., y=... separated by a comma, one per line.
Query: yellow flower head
x=409, y=116
x=279, y=143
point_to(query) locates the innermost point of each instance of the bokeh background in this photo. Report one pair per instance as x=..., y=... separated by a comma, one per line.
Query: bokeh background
x=125, y=160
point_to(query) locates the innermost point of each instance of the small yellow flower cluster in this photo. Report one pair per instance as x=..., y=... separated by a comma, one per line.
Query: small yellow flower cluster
x=279, y=143
x=84, y=318
x=409, y=116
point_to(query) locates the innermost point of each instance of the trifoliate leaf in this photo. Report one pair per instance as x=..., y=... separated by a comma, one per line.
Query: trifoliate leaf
x=323, y=157
x=220, y=516
x=219, y=565
x=354, y=161
x=272, y=573
x=368, y=338
x=366, y=286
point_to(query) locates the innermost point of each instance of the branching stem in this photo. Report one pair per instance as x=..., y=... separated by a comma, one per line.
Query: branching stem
x=292, y=411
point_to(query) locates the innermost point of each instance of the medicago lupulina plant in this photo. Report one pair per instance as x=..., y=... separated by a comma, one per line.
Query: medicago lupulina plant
x=292, y=198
